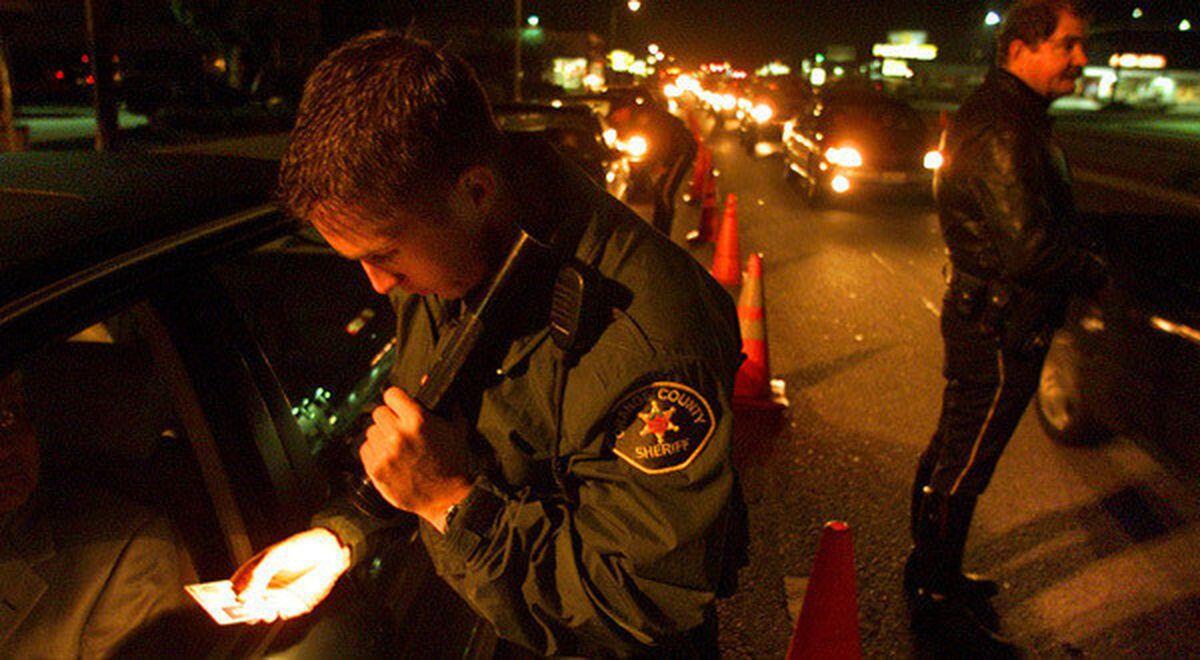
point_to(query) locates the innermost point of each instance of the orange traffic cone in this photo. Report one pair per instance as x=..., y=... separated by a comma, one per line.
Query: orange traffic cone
x=700, y=173
x=827, y=627
x=727, y=258
x=753, y=387
x=703, y=233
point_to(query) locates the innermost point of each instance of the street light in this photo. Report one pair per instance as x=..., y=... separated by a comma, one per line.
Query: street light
x=632, y=5
x=1137, y=13
x=992, y=19
x=533, y=20
x=1185, y=25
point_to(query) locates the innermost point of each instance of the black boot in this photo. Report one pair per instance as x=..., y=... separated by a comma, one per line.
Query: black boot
x=941, y=611
x=977, y=586
x=960, y=509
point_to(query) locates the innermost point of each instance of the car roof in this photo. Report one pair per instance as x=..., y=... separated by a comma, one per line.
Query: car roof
x=856, y=101
x=534, y=117
x=61, y=212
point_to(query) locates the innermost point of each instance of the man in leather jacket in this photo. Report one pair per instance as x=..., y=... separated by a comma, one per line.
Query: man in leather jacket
x=1017, y=256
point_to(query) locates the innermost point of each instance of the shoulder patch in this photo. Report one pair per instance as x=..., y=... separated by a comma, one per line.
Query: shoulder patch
x=662, y=427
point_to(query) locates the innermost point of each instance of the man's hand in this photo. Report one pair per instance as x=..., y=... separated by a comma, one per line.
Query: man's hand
x=418, y=461
x=295, y=574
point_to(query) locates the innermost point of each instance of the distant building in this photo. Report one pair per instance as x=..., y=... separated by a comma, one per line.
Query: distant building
x=1154, y=68
x=552, y=60
x=154, y=49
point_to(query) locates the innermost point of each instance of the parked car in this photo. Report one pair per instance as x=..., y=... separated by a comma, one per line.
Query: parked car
x=1128, y=360
x=189, y=352
x=846, y=142
x=578, y=133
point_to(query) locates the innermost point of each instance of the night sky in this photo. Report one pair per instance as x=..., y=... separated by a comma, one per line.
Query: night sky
x=749, y=32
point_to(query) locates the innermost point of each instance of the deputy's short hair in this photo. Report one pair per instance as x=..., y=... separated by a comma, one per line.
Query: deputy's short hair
x=385, y=122
x=1033, y=21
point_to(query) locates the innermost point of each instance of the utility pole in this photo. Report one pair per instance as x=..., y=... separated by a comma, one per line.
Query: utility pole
x=99, y=38
x=8, y=131
x=612, y=27
x=518, y=70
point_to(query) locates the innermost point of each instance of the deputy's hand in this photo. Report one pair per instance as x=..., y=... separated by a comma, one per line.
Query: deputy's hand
x=418, y=461
x=296, y=574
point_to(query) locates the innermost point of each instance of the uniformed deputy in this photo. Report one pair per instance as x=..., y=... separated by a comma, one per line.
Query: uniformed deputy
x=1018, y=253
x=671, y=151
x=582, y=502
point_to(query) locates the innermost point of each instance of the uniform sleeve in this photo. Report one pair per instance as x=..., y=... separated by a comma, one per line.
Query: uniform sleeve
x=631, y=558
x=1035, y=247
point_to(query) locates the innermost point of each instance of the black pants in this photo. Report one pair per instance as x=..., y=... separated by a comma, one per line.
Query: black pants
x=666, y=186
x=987, y=391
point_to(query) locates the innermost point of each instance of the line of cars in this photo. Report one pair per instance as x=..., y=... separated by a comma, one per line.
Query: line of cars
x=592, y=131
x=1128, y=359
x=835, y=142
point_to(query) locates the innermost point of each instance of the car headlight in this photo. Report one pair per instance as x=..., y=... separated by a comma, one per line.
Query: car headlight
x=934, y=160
x=610, y=137
x=762, y=113
x=844, y=157
x=636, y=147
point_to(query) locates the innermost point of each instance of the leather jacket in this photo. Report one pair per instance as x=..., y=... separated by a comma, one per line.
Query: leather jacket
x=1004, y=194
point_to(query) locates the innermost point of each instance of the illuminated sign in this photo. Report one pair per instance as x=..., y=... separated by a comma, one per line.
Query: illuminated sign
x=908, y=37
x=923, y=52
x=1137, y=61
x=773, y=69
x=896, y=69
x=568, y=72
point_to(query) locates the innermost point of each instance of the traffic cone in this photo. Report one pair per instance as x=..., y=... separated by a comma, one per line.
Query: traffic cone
x=727, y=258
x=753, y=387
x=827, y=627
x=703, y=233
x=699, y=175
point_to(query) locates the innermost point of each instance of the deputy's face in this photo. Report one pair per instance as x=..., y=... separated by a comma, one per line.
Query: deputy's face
x=1052, y=67
x=18, y=448
x=422, y=255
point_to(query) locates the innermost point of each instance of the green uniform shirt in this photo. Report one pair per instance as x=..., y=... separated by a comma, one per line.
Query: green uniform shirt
x=613, y=539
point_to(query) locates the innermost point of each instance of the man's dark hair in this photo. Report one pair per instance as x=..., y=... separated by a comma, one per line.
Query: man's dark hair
x=385, y=122
x=1033, y=21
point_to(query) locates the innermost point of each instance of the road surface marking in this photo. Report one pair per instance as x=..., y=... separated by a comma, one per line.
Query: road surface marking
x=933, y=309
x=883, y=263
x=925, y=302
x=1154, y=192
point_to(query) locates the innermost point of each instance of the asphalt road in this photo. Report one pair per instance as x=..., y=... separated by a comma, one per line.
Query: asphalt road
x=1093, y=545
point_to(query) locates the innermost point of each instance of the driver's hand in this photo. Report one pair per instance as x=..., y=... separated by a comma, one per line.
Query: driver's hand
x=294, y=575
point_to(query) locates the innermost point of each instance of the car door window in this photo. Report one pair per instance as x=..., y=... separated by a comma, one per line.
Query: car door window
x=325, y=332
x=104, y=513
